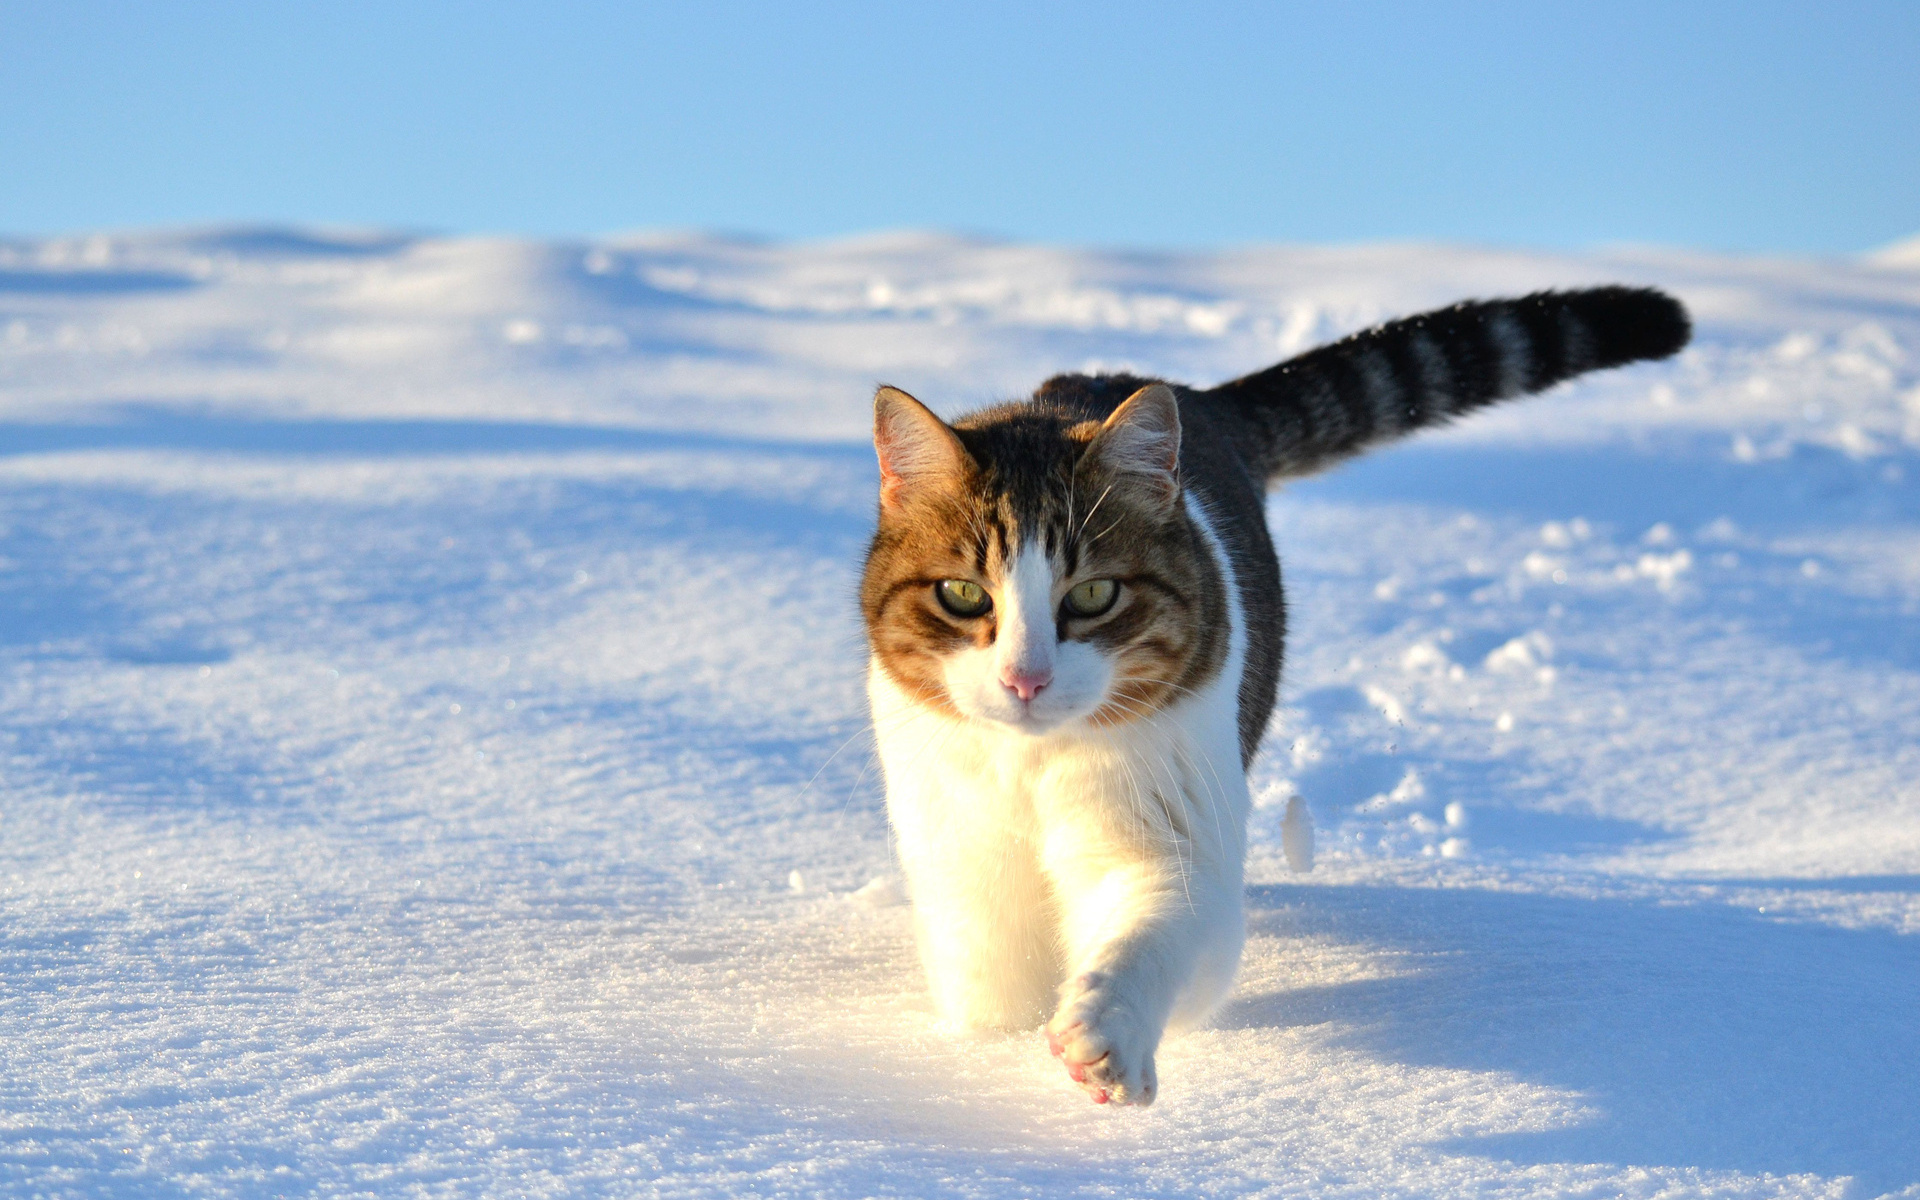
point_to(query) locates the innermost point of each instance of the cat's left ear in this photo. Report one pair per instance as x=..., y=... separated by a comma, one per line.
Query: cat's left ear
x=916, y=448
x=1141, y=441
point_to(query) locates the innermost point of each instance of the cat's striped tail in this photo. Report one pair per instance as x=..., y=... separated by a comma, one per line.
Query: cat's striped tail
x=1381, y=383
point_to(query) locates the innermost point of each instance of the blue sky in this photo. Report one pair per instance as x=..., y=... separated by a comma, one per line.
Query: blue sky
x=1742, y=126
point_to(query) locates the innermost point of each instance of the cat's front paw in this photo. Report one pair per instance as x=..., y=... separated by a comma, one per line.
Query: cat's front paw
x=1106, y=1046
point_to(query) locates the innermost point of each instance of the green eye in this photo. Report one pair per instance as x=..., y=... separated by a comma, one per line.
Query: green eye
x=1092, y=598
x=962, y=598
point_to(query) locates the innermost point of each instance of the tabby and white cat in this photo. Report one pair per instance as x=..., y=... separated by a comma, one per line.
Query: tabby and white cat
x=1076, y=622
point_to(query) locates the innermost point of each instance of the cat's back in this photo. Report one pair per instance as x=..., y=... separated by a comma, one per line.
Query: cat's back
x=1210, y=459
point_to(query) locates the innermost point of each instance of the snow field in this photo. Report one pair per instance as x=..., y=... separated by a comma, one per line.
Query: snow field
x=431, y=666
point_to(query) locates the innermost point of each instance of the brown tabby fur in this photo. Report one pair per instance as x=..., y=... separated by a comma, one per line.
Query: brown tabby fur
x=1027, y=478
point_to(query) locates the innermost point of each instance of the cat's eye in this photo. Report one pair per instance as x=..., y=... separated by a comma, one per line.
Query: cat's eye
x=1091, y=598
x=962, y=597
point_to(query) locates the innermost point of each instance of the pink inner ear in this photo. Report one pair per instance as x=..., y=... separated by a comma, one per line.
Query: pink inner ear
x=914, y=446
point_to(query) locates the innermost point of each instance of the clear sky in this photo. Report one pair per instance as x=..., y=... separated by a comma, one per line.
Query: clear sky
x=1749, y=126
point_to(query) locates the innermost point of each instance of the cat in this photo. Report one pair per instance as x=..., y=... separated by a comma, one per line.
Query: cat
x=1075, y=620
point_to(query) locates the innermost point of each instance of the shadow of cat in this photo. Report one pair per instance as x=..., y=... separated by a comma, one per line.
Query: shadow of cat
x=1706, y=1036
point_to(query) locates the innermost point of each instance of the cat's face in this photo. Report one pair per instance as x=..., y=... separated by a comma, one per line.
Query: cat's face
x=1031, y=572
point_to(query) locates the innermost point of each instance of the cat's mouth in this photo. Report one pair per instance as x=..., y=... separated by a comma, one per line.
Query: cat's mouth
x=1024, y=718
x=1043, y=714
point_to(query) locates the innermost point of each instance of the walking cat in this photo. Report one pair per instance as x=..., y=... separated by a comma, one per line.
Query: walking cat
x=1076, y=623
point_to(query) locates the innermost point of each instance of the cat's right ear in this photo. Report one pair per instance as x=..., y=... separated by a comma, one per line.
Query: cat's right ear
x=916, y=448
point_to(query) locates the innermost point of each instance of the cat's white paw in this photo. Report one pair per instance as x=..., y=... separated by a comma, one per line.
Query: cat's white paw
x=1106, y=1046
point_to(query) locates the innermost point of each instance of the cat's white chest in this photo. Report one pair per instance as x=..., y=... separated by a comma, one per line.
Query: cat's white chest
x=948, y=777
x=952, y=777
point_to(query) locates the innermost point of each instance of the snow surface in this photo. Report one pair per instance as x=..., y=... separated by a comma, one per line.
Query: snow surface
x=431, y=751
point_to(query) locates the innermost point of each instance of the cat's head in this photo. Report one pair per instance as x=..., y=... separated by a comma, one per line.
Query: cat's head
x=1034, y=570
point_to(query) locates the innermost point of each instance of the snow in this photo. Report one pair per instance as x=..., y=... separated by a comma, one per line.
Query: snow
x=432, y=751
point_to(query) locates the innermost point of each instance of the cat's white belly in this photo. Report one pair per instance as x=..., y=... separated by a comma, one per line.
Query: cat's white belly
x=1093, y=873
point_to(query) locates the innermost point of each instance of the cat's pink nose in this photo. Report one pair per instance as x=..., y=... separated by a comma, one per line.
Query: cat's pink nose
x=1025, y=684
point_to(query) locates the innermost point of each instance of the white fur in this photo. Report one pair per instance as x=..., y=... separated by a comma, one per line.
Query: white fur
x=1091, y=874
x=1026, y=644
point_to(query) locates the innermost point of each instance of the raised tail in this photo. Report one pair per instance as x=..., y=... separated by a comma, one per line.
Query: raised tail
x=1381, y=383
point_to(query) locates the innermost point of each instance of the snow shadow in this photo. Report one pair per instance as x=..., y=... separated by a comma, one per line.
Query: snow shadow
x=127, y=768
x=1865, y=632
x=1532, y=833
x=1701, y=1036
x=143, y=427
x=93, y=282
x=1685, y=484
x=191, y=649
x=274, y=242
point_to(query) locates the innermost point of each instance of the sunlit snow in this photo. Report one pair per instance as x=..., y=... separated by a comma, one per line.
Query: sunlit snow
x=432, y=754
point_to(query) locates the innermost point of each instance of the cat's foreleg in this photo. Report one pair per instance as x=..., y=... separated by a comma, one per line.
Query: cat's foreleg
x=981, y=907
x=985, y=934
x=1151, y=937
